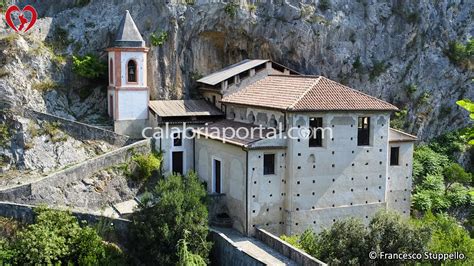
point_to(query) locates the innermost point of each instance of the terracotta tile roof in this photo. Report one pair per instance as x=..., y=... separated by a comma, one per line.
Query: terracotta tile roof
x=219, y=131
x=305, y=93
x=395, y=135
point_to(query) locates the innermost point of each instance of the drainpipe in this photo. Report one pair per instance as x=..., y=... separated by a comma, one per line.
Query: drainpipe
x=194, y=154
x=246, y=190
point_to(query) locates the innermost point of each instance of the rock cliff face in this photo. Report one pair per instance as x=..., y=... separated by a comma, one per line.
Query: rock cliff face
x=390, y=49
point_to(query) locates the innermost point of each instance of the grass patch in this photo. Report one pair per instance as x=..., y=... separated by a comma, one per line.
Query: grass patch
x=52, y=129
x=45, y=85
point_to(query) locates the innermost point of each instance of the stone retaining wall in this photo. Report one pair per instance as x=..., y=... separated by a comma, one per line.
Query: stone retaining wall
x=80, y=130
x=301, y=257
x=224, y=252
x=25, y=213
x=76, y=172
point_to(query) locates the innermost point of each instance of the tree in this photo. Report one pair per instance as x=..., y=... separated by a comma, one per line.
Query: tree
x=57, y=238
x=447, y=236
x=389, y=233
x=89, y=66
x=428, y=162
x=469, y=106
x=430, y=194
x=177, y=205
x=455, y=173
x=343, y=243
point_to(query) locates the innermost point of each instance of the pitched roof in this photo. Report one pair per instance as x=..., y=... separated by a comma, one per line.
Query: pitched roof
x=305, y=93
x=395, y=135
x=173, y=108
x=222, y=130
x=128, y=34
x=230, y=71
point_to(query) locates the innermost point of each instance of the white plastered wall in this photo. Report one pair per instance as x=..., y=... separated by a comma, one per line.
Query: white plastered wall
x=140, y=59
x=132, y=104
x=326, y=182
x=399, y=180
x=233, y=164
x=165, y=145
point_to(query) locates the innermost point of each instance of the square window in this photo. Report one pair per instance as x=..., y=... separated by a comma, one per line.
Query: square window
x=394, y=155
x=177, y=139
x=269, y=164
x=316, y=136
x=363, y=131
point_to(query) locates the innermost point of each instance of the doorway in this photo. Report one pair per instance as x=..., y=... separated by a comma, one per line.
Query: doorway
x=177, y=162
x=216, y=176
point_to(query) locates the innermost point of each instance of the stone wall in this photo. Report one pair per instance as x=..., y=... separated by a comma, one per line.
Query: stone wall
x=80, y=130
x=76, y=172
x=224, y=252
x=25, y=213
x=301, y=257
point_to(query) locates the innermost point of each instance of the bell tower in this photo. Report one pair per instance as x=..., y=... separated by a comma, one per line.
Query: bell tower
x=128, y=93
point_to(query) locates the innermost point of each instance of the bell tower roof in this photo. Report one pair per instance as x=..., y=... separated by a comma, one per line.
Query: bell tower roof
x=128, y=34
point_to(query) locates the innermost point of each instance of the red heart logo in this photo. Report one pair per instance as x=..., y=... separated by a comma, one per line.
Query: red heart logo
x=21, y=17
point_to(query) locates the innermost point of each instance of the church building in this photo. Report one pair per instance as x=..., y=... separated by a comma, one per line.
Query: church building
x=351, y=163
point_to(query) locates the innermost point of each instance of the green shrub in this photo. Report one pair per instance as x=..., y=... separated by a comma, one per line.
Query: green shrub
x=176, y=209
x=158, y=38
x=190, y=2
x=428, y=162
x=57, y=238
x=450, y=144
x=377, y=69
x=231, y=9
x=447, y=236
x=147, y=163
x=458, y=195
x=424, y=98
x=324, y=5
x=187, y=258
x=399, y=119
x=252, y=8
x=357, y=65
x=4, y=135
x=59, y=40
x=390, y=233
x=89, y=66
x=344, y=243
x=45, y=85
x=293, y=240
x=410, y=90
x=460, y=54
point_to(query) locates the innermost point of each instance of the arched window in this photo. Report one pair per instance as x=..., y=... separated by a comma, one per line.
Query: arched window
x=132, y=71
x=111, y=71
